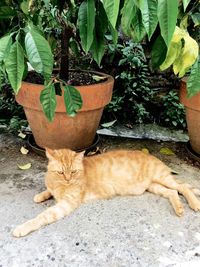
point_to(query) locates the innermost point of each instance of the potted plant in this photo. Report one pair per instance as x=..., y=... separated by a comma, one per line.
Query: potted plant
x=183, y=55
x=88, y=22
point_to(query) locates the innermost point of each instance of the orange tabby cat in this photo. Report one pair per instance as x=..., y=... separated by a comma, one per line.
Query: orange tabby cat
x=72, y=180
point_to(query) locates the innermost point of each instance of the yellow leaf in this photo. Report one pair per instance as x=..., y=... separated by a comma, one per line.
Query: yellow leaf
x=24, y=151
x=24, y=167
x=166, y=151
x=187, y=56
x=21, y=135
x=181, y=54
x=145, y=150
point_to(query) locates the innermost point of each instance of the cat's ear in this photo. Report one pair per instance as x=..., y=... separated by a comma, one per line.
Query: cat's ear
x=49, y=153
x=80, y=155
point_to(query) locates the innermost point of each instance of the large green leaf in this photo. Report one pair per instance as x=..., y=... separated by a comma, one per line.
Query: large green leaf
x=148, y=9
x=98, y=45
x=158, y=52
x=186, y=3
x=7, y=12
x=127, y=11
x=86, y=23
x=132, y=23
x=14, y=64
x=73, y=100
x=167, y=17
x=5, y=44
x=48, y=101
x=193, y=83
x=112, y=9
x=39, y=53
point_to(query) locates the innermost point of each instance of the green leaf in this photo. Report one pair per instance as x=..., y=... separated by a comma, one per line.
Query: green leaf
x=167, y=17
x=132, y=24
x=185, y=3
x=39, y=53
x=25, y=6
x=86, y=22
x=14, y=64
x=193, y=83
x=114, y=34
x=5, y=44
x=73, y=100
x=127, y=11
x=48, y=101
x=7, y=12
x=196, y=18
x=148, y=10
x=112, y=9
x=158, y=53
x=98, y=46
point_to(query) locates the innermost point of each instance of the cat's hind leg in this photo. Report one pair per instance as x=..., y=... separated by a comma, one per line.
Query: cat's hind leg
x=50, y=215
x=45, y=195
x=172, y=195
x=182, y=188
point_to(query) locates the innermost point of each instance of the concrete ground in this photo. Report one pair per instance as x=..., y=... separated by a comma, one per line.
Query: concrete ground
x=125, y=231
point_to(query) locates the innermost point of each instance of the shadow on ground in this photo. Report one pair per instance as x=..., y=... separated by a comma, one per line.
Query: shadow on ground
x=122, y=232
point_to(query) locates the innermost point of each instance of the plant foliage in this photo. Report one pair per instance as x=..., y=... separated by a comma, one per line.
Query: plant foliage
x=31, y=30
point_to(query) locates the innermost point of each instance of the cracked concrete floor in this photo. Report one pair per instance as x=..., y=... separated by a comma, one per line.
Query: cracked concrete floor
x=122, y=232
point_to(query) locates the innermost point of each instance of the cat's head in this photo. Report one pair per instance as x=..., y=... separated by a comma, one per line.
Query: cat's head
x=65, y=162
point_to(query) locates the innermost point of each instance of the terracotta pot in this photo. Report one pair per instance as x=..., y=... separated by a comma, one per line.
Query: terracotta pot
x=192, y=106
x=66, y=132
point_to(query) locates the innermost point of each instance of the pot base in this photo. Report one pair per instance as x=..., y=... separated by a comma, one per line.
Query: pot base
x=41, y=151
x=192, y=153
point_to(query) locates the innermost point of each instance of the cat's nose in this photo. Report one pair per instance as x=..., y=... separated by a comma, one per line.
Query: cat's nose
x=67, y=176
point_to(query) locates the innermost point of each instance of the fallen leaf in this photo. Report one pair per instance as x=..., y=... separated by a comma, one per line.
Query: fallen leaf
x=145, y=150
x=24, y=151
x=24, y=167
x=108, y=124
x=98, y=78
x=22, y=135
x=166, y=151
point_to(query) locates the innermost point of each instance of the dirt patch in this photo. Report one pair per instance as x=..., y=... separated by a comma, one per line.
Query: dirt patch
x=76, y=78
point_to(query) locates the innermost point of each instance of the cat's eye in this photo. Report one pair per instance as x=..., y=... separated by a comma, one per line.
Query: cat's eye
x=60, y=172
x=74, y=171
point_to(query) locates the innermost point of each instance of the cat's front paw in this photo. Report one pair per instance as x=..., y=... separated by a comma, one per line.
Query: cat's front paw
x=21, y=230
x=38, y=198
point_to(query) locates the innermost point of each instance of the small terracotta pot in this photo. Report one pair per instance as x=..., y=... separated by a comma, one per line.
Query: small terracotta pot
x=64, y=131
x=192, y=106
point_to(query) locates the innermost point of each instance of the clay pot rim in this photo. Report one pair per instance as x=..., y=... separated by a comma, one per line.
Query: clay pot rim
x=108, y=80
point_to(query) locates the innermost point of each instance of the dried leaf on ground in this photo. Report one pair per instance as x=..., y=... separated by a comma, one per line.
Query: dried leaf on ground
x=22, y=135
x=108, y=124
x=166, y=151
x=24, y=151
x=24, y=167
